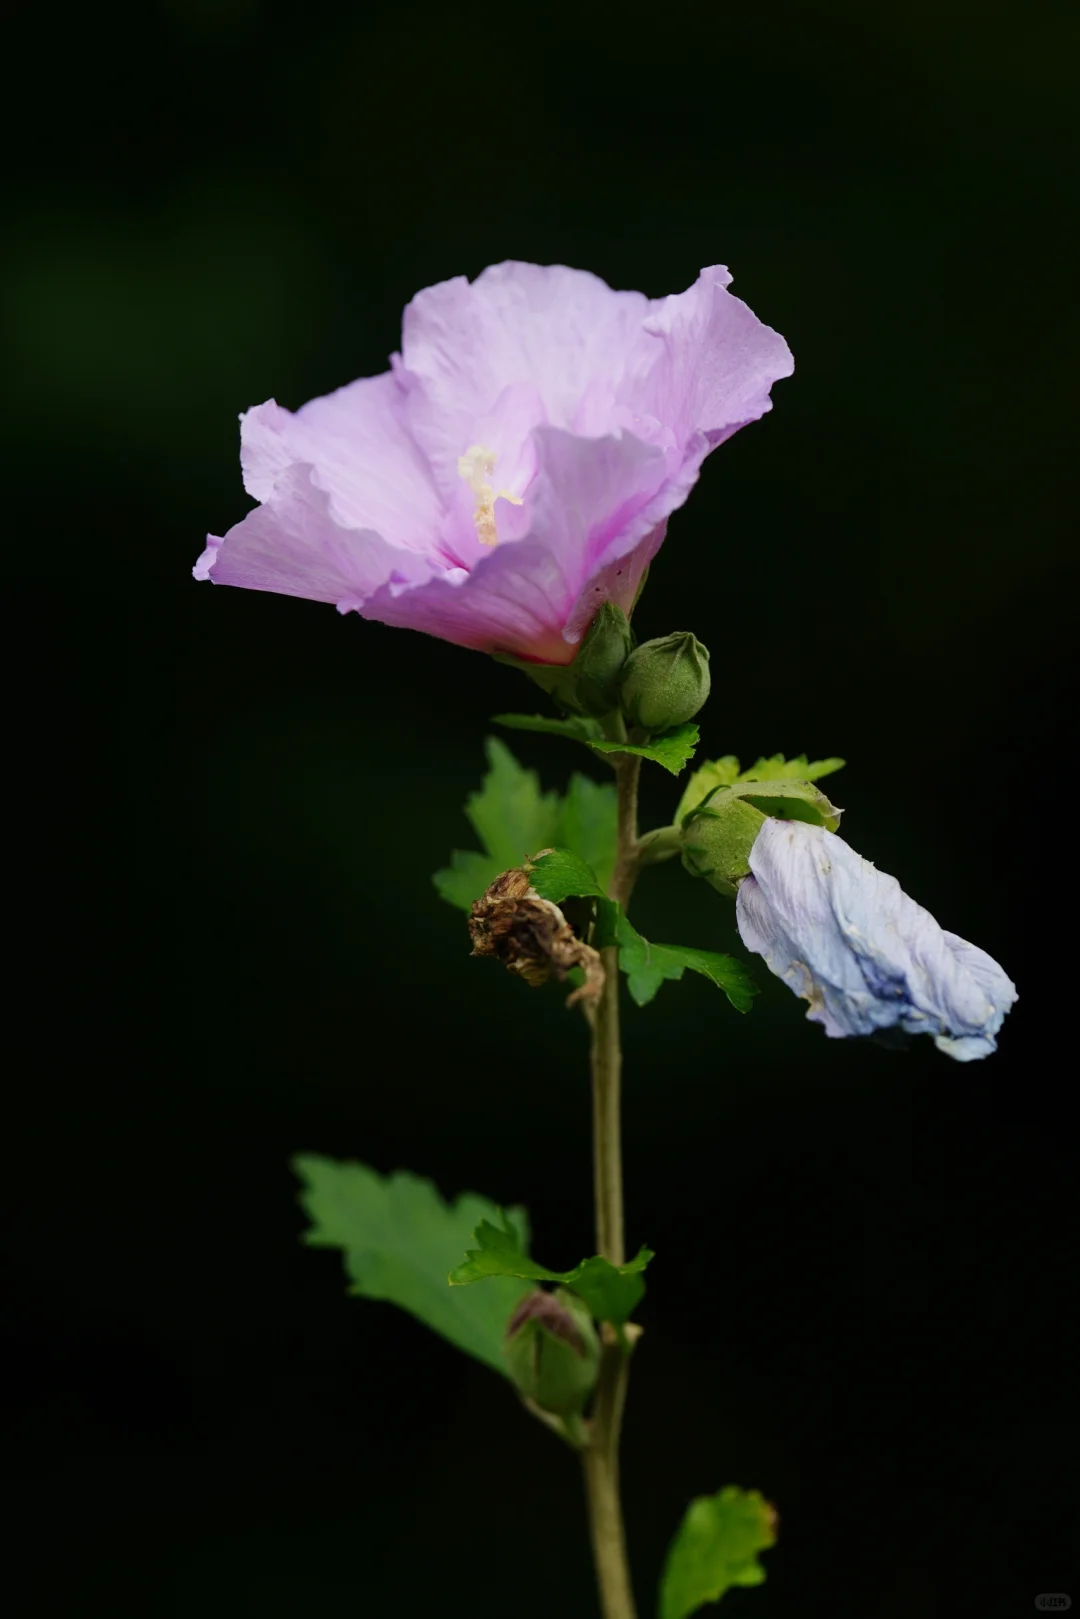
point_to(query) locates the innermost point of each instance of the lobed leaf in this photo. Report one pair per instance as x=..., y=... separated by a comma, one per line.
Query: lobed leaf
x=715, y=1548
x=610, y=1292
x=576, y=727
x=649, y=965
x=513, y=818
x=673, y=749
x=398, y=1238
x=725, y=772
x=559, y=874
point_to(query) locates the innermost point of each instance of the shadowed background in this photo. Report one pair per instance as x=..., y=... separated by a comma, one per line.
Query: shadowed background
x=234, y=950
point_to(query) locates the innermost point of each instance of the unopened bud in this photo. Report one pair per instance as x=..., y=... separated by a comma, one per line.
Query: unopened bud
x=718, y=835
x=599, y=665
x=589, y=684
x=665, y=681
x=716, y=841
x=552, y=1351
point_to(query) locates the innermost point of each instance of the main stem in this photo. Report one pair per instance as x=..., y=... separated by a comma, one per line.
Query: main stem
x=601, y=1456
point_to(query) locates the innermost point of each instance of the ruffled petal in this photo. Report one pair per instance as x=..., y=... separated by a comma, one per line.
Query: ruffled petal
x=296, y=545
x=718, y=361
x=358, y=443
x=592, y=503
x=616, y=580
x=641, y=489
x=593, y=497
x=514, y=601
x=463, y=343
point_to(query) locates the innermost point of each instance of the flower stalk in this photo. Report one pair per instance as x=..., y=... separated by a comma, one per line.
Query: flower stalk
x=601, y=1455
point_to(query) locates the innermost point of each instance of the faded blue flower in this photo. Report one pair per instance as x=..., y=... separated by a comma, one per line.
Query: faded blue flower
x=849, y=940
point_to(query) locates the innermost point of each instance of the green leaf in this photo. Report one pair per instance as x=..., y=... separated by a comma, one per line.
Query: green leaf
x=499, y=1251
x=465, y=878
x=790, y=800
x=725, y=772
x=577, y=728
x=715, y=773
x=560, y=874
x=672, y=749
x=715, y=1548
x=588, y=824
x=398, y=1239
x=514, y=819
x=510, y=815
x=726, y=972
x=648, y=965
x=780, y=769
x=609, y=1291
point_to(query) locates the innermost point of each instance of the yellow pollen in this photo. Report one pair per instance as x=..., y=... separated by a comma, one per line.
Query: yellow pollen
x=476, y=467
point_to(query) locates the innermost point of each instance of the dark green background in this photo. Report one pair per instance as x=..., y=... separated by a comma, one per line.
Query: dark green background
x=232, y=948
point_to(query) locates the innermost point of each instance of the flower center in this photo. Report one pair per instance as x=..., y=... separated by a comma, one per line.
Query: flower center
x=476, y=467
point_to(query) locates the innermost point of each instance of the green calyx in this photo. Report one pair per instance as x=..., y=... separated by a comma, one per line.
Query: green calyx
x=718, y=835
x=589, y=685
x=716, y=844
x=553, y=1352
x=599, y=664
x=665, y=681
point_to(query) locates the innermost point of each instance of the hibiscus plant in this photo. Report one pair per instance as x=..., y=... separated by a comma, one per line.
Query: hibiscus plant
x=505, y=486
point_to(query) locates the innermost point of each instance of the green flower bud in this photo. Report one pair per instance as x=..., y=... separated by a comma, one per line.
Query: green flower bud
x=665, y=681
x=717, y=839
x=589, y=685
x=718, y=835
x=552, y=1351
x=599, y=665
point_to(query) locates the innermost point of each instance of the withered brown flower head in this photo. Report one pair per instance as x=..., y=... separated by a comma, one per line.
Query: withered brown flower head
x=531, y=936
